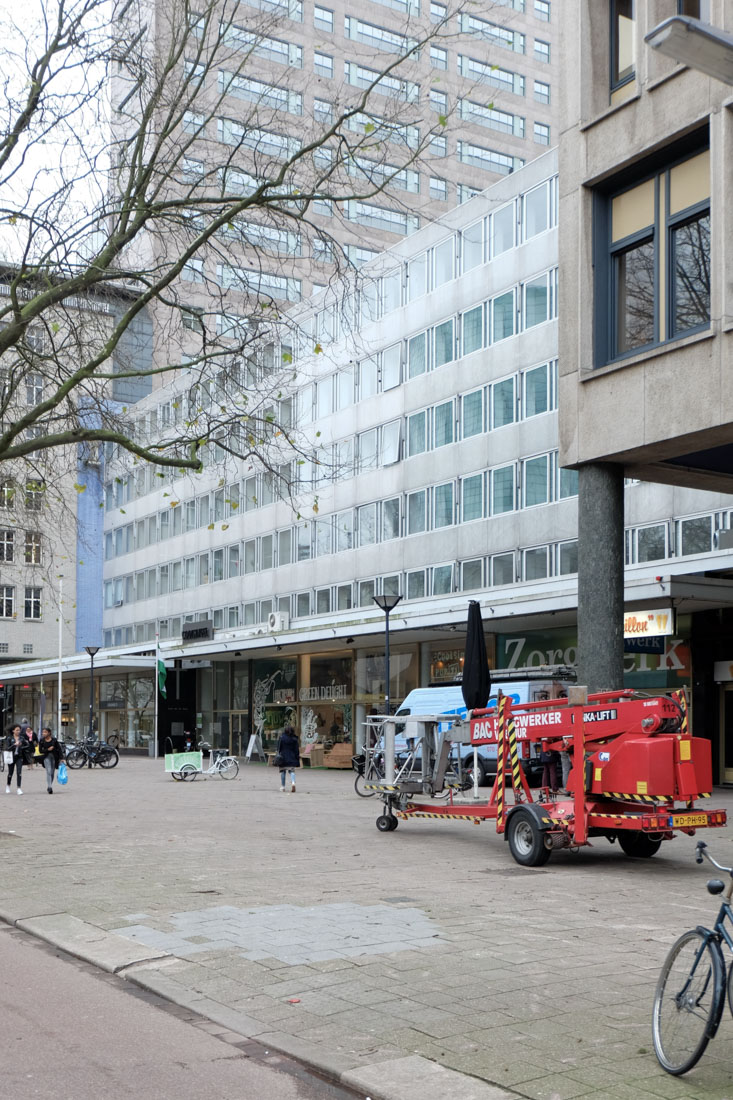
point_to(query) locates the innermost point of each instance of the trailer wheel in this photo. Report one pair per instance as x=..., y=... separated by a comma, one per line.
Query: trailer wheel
x=638, y=844
x=384, y=823
x=526, y=840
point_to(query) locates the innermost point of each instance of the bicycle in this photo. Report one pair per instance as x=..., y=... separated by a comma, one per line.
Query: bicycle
x=221, y=764
x=691, y=991
x=96, y=752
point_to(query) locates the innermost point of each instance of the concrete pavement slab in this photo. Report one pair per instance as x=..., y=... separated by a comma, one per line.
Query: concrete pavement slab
x=416, y=1078
x=84, y=941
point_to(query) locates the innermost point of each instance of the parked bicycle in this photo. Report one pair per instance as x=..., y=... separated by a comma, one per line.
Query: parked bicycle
x=95, y=752
x=221, y=764
x=691, y=990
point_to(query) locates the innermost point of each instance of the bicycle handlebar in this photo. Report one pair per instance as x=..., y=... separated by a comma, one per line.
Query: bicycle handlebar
x=701, y=852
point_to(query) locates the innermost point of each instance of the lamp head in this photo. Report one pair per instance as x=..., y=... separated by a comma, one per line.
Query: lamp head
x=92, y=650
x=386, y=603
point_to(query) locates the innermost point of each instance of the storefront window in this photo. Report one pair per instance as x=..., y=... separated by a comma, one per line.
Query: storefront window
x=325, y=700
x=404, y=675
x=274, y=687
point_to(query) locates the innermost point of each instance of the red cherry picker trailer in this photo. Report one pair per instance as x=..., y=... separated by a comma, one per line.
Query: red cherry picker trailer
x=636, y=775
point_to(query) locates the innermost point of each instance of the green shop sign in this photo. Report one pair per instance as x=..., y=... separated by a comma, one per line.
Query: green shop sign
x=670, y=669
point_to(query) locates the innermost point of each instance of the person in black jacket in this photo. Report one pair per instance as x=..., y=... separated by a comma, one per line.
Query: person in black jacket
x=17, y=746
x=50, y=751
x=288, y=749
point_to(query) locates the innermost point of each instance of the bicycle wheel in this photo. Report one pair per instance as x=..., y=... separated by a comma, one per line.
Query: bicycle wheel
x=359, y=787
x=188, y=772
x=687, y=1003
x=229, y=768
x=108, y=758
x=114, y=740
x=76, y=758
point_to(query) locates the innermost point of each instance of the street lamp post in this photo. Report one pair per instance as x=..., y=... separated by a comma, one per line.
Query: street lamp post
x=386, y=604
x=92, y=650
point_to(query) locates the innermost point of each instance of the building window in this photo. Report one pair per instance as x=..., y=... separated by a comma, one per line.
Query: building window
x=416, y=512
x=472, y=333
x=622, y=42
x=32, y=603
x=7, y=545
x=472, y=414
x=536, y=481
x=438, y=57
x=542, y=10
x=32, y=548
x=541, y=133
x=653, y=283
x=534, y=563
x=502, y=569
x=472, y=575
x=193, y=271
x=438, y=146
x=651, y=543
x=541, y=92
x=695, y=536
x=472, y=498
x=438, y=12
x=502, y=490
x=567, y=558
x=698, y=9
x=7, y=601
x=27, y=648
x=323, y=64
x=34, y=491
x=542, y=51
x=323, y=19
x=33, y=388
x=438, y=189
x=438, y=101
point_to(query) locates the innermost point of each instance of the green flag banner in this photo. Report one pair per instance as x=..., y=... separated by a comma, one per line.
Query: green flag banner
x=162, y=673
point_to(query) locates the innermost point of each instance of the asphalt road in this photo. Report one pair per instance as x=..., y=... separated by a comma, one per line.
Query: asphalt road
x=71, y=1031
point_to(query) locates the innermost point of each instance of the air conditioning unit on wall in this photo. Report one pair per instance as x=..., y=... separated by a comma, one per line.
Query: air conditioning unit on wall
x=278, y=620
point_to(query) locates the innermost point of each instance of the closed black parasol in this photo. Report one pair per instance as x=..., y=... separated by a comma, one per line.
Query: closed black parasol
x=476, y=686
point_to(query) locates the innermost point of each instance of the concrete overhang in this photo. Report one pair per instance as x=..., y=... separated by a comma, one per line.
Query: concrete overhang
x=77, y=665
x=536, y=606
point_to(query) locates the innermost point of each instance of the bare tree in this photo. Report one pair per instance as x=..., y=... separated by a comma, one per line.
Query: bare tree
x=155, y=234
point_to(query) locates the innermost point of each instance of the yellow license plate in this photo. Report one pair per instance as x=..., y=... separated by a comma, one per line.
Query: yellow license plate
x=683, y=820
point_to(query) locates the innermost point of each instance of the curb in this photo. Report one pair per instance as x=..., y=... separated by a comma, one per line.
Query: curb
x=406, y=1078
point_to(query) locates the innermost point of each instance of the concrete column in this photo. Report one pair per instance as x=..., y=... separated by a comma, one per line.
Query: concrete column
x=601, y=576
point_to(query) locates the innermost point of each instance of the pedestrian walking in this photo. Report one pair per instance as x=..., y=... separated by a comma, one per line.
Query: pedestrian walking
x=288, y=751
x=32, y=737
x=17, y=746
x=51, y=754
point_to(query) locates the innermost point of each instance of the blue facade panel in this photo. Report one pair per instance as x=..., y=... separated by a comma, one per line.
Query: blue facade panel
x=89, y=554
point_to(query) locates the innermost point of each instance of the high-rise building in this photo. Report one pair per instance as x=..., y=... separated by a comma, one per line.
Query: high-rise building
x=473, y=104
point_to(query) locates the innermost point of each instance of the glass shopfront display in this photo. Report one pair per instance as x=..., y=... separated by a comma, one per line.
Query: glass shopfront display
x=404, y=675
x=325, y=698
x=274, y=699
x=126, y=709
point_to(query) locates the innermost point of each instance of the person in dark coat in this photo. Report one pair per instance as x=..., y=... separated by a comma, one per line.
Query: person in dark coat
x=288, y=750
x=17, y=746
x=50, y=751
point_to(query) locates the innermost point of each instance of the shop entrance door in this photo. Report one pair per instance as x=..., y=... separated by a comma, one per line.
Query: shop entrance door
x=726, y=732
x=239, y=732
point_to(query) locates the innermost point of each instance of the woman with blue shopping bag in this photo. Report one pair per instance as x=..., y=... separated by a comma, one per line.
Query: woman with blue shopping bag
x=50, y=751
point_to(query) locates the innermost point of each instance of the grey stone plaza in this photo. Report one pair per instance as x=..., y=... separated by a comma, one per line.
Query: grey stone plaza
x=422, y=962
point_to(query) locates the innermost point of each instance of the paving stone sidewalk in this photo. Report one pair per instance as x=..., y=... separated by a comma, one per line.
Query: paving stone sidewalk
x=377, y=957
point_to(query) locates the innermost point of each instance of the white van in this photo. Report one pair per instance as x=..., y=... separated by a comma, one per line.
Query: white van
x=448, y=699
